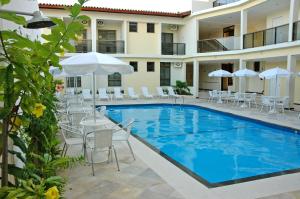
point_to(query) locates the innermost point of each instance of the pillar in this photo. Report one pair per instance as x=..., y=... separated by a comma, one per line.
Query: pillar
x=125, y=31
x=244, y=27
x=242, y=80
x=293, y=16
x=183, y=72
x=291, y=67
x=94, y=34
x=196, y=78
x=159, y=30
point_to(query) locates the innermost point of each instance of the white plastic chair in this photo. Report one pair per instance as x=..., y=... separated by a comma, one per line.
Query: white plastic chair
x=283, y=103
x=103, y=94
x=122, y=134
x=266, y=102
x=76, y=118
x=117, y=93
x=251, y=99
x=70, y=91
x=132, y=94
x=161, y=93
x=102, y=142
x=71, y=136
x=172, y=92
x=145, y=92
x=86, y=94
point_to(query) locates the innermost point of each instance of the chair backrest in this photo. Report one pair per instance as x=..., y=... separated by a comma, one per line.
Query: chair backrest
x=171, y=91
x=145, y=91
x=117, y=91
x=131, y=91
x=69, y=131
x=77, y=117
x=159, y=91
x=265, y=100
x=103, y=138
x=70, y=91
x=210, y=93
x=253, y=96
x=102, y=92
x=86, y=92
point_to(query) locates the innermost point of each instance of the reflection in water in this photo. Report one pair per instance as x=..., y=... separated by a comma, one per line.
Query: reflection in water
x=215, y=146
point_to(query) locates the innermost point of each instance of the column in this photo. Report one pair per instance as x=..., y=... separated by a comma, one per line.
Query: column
x=293, y=16
x=244, y=27
x=94, y=34
x=291, y=67
x=159, y=30
x=242, y=80
x=125, y=30
x=196, y=78
x=195, y=46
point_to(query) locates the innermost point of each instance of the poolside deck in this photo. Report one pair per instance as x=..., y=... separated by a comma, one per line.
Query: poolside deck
x=137, y=180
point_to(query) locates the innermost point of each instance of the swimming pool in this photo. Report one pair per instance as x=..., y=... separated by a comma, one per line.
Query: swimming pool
x=214, y=147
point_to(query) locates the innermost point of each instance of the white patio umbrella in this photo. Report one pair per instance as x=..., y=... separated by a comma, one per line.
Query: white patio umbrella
x=97, y=64
x=244, y=73
x=220, y=73
x=275, y=73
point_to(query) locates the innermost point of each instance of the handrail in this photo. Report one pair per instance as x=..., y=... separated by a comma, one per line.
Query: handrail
x=168, y=48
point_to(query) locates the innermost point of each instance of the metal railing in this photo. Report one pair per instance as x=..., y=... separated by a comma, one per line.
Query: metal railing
x=219, y=44
x=111, y=47
x=82, y=46
x=296, y=31
x=223, y=2
x=172, y=48
x=266, y=37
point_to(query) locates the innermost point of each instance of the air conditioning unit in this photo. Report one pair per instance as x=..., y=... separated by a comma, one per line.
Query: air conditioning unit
x=177, y=65
x=100, y=23
x=173, y=27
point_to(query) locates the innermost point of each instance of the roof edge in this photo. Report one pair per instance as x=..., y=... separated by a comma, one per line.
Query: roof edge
x=121, y=11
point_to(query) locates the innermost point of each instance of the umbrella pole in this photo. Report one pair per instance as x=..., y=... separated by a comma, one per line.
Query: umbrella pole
x=94, y=97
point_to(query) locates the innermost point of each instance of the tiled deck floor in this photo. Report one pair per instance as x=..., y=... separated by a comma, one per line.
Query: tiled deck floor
x=136, y=180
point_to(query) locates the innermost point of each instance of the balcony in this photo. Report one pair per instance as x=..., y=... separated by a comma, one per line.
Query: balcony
x=266, y=37
x=296, y=31
x=82, y=46
x=223, y=2
x=219, y=44
x=172, y=48
x=111, y=47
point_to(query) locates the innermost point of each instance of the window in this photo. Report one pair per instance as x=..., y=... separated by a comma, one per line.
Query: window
x=134, y=64
x=189, y=74
x=150, y=27
x=150, y=66
x=114, y=79
x=133, y=27
x=165, y=73
x=71, y=82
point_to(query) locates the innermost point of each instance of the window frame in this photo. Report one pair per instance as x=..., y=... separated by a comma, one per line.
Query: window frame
x=71, y=84
x=162, y=81
x=112, y=82
x=148, y=65
x=149, y=26
x=130, y=26
x=135, y=65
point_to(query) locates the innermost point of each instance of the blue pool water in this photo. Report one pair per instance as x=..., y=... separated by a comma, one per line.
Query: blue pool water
x=213, y=146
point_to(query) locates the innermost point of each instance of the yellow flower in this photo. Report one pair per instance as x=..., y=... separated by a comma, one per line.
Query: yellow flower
x=16, y=123
x=38, y=110
x=52, y=193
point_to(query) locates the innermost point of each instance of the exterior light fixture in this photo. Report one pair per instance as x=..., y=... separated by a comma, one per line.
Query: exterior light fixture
x=37, y=21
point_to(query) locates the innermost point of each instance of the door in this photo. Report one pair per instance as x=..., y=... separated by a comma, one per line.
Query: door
x=226, y=81
x=107, y=41
x=228, y=31
x=167, y=43
x=165, y=74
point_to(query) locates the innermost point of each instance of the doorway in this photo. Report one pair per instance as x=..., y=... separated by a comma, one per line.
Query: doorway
x=107, y=41
x=226, y=81
x=228, y=31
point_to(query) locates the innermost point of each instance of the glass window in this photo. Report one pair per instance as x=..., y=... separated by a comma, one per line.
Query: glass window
x=189, y=74
x=133, y=27
x=165, y=73
x=150, y=27
x=150, y=66
x=71, y=82
x=114, y=80
x=134, y=64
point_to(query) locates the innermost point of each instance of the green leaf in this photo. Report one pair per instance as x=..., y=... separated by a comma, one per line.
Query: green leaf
x=75, y=10
x=3, y=2
x=18, y=142
x=13, y=17
x=83, y=17
x=18, y=154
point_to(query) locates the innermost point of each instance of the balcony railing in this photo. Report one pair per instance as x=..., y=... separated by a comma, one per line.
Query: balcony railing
x=219, y=44
x=296, y=31
x=111, y=47
x=82, y=46
x=266, y=37
x=223, y=2
x=172, y=48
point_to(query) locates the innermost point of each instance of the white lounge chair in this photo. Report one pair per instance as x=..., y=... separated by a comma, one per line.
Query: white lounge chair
x=172, y=92
x=86, y=94
x=102, y=94
x=132, y=94
x=146, y=93
x=117, y=93
x=161, y=93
